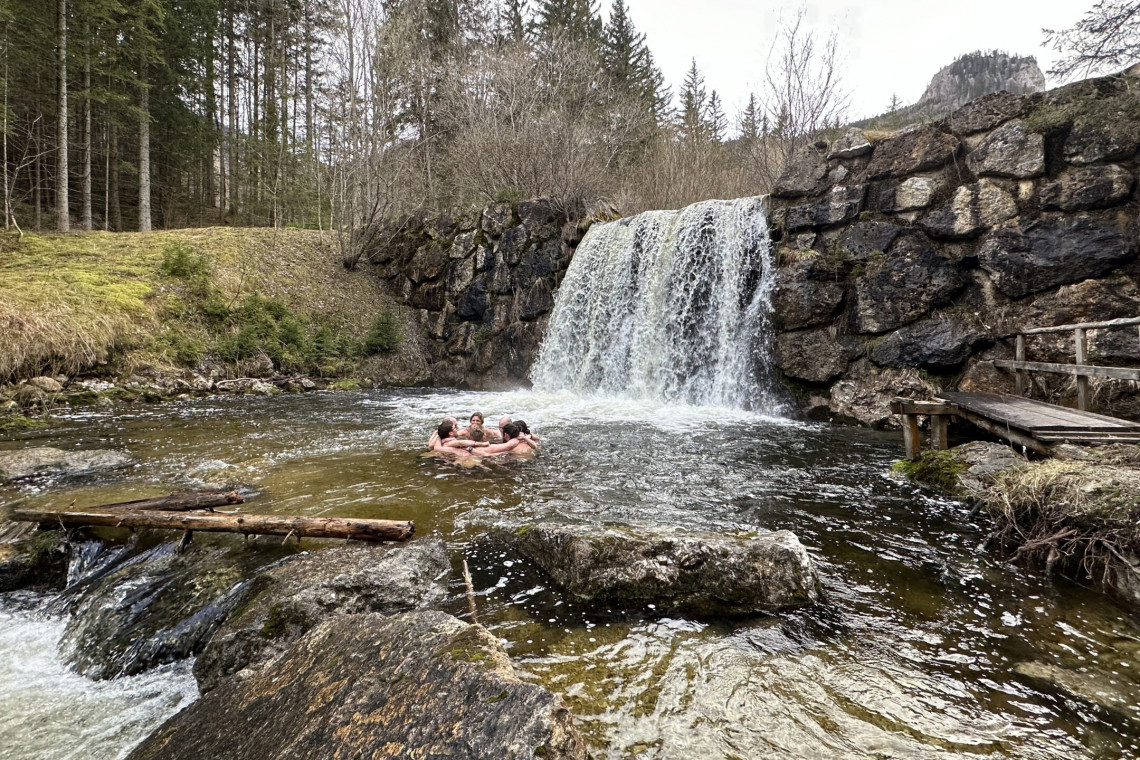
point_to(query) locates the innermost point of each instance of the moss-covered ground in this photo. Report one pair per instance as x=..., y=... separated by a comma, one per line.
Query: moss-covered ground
x=174, y=298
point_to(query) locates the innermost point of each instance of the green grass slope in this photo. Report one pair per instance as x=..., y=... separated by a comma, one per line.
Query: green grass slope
x=176, y=298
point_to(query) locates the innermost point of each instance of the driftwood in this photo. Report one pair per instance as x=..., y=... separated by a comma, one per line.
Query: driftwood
x=278, y=525
x=179, y=502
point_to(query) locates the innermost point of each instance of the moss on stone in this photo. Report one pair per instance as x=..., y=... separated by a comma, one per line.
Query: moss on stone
x=282, y=617
x=939, y=469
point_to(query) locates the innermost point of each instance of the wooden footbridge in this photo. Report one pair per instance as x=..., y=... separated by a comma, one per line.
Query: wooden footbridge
x=1034, y=425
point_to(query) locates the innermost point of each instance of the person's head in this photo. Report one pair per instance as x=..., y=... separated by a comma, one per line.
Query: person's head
x=511, y=431
x=477, y=419
x=504, y=421
x=522, y=427
x=445, y=429
x=454, y=422
x=475, y=432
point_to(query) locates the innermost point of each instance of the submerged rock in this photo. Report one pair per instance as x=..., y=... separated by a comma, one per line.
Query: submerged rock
x=27, y=463
x=418, y=684
x=1101, y=689
x=295, y=596
x=39, y=559
x=698, y=573
x=156, y=607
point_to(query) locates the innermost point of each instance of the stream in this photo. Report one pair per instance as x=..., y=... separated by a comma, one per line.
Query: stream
x=911, y=655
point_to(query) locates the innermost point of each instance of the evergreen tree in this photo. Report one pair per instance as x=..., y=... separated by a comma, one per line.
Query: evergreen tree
x=692, y=123
x=577, y=20
x=750, y=121
x=716, y=123
x=513, y=22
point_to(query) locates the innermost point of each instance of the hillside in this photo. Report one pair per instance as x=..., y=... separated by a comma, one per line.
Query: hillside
x=969, y=77
x=230, y=296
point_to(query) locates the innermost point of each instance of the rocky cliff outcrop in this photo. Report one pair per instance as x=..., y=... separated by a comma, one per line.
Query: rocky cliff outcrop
x=905, y=265
x=976, y=74
x=482, y=284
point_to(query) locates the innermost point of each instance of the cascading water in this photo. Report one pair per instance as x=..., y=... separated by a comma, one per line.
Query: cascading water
x=668, y=305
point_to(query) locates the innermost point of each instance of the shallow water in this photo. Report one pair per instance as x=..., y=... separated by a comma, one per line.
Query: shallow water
x=912, y=655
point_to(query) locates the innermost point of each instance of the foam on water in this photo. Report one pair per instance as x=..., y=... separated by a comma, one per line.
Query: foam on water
x=48, y=712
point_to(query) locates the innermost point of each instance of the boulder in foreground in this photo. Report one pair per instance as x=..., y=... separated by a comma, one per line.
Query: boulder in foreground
x=27, y=463
x=699, y=573
x=293, y=597
x=418, y=684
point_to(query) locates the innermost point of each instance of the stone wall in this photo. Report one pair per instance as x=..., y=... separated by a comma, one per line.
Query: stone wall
x=481, y=285
x=904, y=264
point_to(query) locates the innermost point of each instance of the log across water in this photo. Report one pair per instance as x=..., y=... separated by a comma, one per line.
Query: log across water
x=179, y=502
x=279, y=525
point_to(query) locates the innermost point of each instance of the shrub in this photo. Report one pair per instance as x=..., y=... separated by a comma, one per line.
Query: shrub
x=384, y=335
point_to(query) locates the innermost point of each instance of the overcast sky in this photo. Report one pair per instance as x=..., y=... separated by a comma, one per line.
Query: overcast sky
x=890, y=46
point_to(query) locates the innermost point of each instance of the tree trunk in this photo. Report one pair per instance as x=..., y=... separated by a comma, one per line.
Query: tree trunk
x=144, y=151
x=7, y=189
x=86, y=185
x=113, y=183
x=231, y=137
x=180, y=502
x=278, y=525
x=62, y=214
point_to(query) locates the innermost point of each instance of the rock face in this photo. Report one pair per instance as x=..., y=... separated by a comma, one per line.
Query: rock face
x=295, y=596
x=699, y=574
x=482, y=284
x=159, y=606
x=976, y=74
x=37, y=560
x=42, y=461
x=929, y=249
x=418, y=684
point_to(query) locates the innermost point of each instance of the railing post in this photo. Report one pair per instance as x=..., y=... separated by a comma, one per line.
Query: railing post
x=1082, y=380
x=1019, y=355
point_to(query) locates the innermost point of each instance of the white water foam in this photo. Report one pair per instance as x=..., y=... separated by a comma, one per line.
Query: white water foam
x=668, y=306
x=48, y=712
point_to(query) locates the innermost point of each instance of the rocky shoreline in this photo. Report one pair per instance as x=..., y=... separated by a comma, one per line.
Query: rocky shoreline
x=356, y=647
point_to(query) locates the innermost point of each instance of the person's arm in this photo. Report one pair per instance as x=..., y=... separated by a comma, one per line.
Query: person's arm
x=460, y=443
x=498, y=448
x=433, y=441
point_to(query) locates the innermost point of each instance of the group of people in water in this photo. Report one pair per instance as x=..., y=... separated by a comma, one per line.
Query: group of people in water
x=476, y=440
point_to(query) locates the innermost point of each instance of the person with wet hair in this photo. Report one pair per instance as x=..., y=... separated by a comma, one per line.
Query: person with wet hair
x=476, y=419
x=434, y=440
x=514, y=441
x=449, y=443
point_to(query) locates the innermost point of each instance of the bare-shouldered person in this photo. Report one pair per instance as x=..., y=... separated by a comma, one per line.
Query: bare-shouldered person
x=434, y=440
x=515, y=442
x=449, y=444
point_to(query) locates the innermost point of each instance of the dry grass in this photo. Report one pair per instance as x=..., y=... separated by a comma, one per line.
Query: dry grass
x=69, y=302
x=1081, y=515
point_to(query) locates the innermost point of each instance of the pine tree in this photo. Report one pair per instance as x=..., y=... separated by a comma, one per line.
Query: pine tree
x=715, y=120
x=692, y=123
x=750, y=121
x=895, y=104
x=513, y=22
x=576, y=20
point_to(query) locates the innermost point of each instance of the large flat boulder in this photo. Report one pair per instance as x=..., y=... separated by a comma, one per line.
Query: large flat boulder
x=639, y=567
x=415, y=685
x=816, y=356
x=1088, y=187
x=43, y=460
x=936, y=344
x=1051, y=252
x=291, y=598
x=971, y=210
x=807, y=293
x=1012, y=150
x=901, y=286
x=912, y=151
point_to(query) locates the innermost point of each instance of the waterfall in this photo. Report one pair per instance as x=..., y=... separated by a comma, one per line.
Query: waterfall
x=667, y=305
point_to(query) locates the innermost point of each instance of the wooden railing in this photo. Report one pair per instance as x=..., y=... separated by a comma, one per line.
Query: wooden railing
x=1081, y=369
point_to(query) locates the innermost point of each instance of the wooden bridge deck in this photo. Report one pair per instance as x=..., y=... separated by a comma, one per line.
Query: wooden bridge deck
x=1043, y=422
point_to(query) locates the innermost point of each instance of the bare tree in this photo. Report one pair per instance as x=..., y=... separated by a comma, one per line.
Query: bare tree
x=1107, y=38
x=804, y=91
x=62, y=215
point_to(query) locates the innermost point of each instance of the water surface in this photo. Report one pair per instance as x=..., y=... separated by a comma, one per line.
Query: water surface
x=912, y=654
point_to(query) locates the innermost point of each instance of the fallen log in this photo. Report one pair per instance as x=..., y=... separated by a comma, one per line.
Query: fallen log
x=180, y=502
x=277, y=525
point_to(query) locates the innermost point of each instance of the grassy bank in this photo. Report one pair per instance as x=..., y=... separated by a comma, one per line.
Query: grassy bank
x=1077, y=514
x=175, y=299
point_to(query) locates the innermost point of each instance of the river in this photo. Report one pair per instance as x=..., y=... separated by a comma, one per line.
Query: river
x=911, y=654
